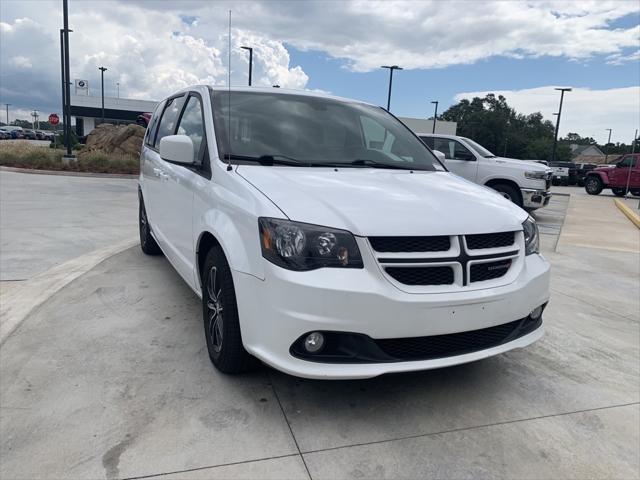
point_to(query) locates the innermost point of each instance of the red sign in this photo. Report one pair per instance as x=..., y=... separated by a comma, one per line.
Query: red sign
x=54, y=119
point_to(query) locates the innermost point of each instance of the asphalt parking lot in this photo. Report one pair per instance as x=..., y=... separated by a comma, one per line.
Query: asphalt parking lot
x=109, y=378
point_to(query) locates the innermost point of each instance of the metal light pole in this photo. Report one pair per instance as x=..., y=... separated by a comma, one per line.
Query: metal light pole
x=7, y=107
x=391, y=69
x=66, y=83
x=633, y=150
x=555, y=138
x=118, y=87
x=102, y=70
x=435, y=116
x=250, y=61
x=606, y=149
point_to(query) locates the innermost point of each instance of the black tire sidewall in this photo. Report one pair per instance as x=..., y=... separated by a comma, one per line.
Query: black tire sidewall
x=596, y=182
x=515, y=195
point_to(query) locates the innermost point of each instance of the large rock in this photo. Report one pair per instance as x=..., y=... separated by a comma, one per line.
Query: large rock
x=123, y=140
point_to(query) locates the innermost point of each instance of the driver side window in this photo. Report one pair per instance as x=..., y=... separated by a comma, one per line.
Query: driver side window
x=452, y=149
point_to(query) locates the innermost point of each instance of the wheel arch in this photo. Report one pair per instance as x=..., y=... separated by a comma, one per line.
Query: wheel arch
x=504, y=181
x=603, y=178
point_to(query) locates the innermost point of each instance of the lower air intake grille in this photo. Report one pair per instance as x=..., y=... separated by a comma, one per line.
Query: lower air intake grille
x=490, y=270
x=490, y=240
x=410, y=244
x=422, y=275
x=438, y=346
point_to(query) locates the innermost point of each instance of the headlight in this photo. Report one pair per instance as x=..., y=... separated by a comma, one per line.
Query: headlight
x=300, y=246
x=536, y=175
x=531, y=236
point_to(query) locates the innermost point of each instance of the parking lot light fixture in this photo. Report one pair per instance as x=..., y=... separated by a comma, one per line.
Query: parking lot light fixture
x=555, y=139
x=102, y=70
x=7, y=105
x=250, y=61
x=435, y=116
x=391, y=69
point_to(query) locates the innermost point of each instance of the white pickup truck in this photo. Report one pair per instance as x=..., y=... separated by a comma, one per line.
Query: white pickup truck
x=525, y=183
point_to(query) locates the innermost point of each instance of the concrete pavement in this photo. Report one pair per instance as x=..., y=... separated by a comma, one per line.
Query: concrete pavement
x=46, y=220
x=110, y=379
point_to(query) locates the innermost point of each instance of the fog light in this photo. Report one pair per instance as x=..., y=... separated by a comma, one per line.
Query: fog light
x=314, y=342
x=536, y=313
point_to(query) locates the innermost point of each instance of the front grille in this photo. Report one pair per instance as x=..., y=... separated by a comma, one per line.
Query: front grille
x=422, y=275
x=490, y=240
x=438, y=346
x=410, y=244
x=487, y=271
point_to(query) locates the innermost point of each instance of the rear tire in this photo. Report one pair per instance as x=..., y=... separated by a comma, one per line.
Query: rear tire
x=593, y=185
x=148, y=244
x=220, y=316
x=508, y=192
x=619, y=192
x=635, y=193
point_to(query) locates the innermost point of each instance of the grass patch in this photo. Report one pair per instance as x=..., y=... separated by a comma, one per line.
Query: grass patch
x=24, y=155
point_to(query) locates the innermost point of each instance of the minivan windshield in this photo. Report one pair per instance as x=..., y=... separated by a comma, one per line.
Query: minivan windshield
x=302, y=130
x=479, y=148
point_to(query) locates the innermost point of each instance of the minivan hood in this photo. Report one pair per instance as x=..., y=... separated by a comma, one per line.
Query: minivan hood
x=378, y=202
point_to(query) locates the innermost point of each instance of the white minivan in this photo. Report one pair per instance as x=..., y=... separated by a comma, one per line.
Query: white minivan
x=326, y=240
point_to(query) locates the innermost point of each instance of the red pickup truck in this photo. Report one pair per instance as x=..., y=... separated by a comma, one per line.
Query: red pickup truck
x=616, y=177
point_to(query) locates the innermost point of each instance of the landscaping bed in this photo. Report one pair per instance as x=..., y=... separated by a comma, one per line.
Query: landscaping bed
x=24, y=155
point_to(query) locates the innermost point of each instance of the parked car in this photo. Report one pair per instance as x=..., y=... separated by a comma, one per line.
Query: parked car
x=30, y=134
x=40, y=134
x=328, y=241
x=616, y=177
x=5, y=133
x=525, y=183
x=143, y=119
x=14, y=131
x=581, y=172
x=564, y=173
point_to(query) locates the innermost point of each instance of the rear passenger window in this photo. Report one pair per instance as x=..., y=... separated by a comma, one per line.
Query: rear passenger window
x=192, y=124
x=169, y=118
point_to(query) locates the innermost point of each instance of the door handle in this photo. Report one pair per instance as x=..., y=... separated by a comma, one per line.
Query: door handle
x=157, y=172
x=164, y=176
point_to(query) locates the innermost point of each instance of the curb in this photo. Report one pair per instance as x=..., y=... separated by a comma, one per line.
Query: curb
x=624, y=208
x=19, y=302
x=67, y=173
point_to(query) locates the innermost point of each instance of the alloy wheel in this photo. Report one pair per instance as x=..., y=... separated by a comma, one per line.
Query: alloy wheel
x=214, y=307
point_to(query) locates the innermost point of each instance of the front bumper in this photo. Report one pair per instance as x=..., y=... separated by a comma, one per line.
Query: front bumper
x=276, y=311
x=532, y=198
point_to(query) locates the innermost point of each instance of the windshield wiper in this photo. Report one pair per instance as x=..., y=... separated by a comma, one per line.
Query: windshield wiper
x=374, y=164
x=269, y=160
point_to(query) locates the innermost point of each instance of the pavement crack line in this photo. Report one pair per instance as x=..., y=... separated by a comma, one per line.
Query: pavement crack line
x=229, y=464
x=295, y=440
x=462, y=429
x=604, y=309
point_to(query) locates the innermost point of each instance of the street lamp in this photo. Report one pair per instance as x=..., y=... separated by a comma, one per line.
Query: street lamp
x=7, y=107
x=391, y=69
x=250, y=61
x=555, y=138
x=118, y=87
x=102, y=70
x=606, y=147
x=435, y=116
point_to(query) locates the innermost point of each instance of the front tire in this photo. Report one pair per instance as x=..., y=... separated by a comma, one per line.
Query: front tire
x=509, y=192
x=220, y=316
x=593, y=185
x=148, y=244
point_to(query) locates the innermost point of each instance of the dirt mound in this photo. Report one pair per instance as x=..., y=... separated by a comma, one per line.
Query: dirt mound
x=114, y=140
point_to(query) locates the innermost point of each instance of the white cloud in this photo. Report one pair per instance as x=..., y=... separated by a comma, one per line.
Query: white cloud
x=585, y=111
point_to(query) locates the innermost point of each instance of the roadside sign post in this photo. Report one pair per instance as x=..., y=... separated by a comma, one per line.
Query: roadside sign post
x=54, y=120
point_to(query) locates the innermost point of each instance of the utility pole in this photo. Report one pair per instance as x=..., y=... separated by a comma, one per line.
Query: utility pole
x=555, y=139
x=435, y=116
x=102, y=70
x=606, y=147
x=250, y=61
x=67, y=75
x=7, y=107
x=118, y=87
x=391, y=69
